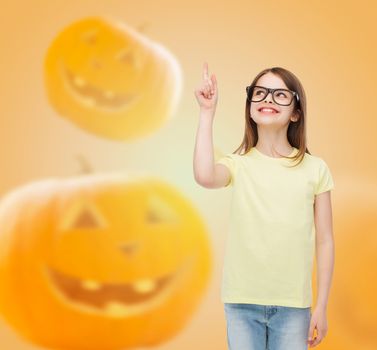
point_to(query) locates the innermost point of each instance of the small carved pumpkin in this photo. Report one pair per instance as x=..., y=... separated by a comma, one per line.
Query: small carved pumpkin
x=111, y=80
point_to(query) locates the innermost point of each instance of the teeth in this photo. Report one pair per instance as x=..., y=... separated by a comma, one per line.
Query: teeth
x=80, y=82
x=144, y=286
x=268, y=110
x=90, y=284
x=116, y=309
x=90, y=101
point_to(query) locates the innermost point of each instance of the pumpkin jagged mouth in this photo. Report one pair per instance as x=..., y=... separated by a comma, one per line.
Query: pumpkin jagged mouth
x=116, y=299
x=93, y=96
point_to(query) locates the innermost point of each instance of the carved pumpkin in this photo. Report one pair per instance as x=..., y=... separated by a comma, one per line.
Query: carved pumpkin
x=111, y=80
x=100, y=261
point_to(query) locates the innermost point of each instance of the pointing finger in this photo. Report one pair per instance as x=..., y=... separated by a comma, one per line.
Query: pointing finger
x=214, y=81
x=205, y=71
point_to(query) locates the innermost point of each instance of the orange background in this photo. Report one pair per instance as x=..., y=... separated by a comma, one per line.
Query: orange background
x=329, y=45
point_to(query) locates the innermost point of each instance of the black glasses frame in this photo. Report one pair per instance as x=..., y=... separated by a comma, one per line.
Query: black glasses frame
x=295, y=94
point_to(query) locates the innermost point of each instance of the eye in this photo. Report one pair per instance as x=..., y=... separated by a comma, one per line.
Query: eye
x=159, y=211
x=126, y=56
x=90, y=37
x=82, y=214
x=259, y=91
x=282, y=93
x=153, y=217
x=86, y=220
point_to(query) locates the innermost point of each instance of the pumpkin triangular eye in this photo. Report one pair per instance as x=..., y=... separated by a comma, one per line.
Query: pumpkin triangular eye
x=125, y=55
x=159, y=211
x=90, y=37
x=86, y=219
x=82, y=215
x=153, y=217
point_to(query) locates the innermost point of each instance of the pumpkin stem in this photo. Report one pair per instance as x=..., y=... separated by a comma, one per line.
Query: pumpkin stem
x=85, y=165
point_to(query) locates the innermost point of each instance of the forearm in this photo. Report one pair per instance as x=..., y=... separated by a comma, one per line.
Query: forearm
x=203, y=153
x=325, y=265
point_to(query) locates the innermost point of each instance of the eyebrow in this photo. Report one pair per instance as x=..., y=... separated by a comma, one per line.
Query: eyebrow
x=271, y=88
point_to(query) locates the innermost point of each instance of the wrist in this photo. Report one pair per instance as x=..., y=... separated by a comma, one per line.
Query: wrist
x=322, y=306
x=207, y=112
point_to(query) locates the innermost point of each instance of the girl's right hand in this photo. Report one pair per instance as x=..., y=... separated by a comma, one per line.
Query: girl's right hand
x=206, y=93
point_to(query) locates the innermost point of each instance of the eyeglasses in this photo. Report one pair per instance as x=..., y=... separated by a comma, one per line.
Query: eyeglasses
x=282, y=97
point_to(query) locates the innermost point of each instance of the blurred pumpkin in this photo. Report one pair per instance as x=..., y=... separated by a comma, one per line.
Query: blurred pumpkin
x=100, y=261
x=352, y=304
x=111, y=80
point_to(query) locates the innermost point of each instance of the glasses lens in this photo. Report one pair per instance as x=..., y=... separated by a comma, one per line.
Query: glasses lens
x=283, y=97
x=258, y=94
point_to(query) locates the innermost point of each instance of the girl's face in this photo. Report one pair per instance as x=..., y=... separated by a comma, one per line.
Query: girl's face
x=283, y=114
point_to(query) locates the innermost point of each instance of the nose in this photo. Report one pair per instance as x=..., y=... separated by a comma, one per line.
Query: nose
x=129, y=248
x=267, y=97
x=95, y=63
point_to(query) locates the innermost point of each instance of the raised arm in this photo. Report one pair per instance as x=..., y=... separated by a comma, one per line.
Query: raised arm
x=206, y=172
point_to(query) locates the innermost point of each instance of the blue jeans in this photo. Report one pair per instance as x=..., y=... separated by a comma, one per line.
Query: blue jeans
x=271, y=327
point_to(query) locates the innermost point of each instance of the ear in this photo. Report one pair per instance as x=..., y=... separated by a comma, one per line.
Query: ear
x=295, y=117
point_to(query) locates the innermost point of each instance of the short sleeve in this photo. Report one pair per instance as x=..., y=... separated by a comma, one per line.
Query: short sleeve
x=229, y=162
x=325, y=181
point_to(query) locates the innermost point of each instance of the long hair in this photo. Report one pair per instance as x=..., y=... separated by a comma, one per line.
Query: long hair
x=296, y=132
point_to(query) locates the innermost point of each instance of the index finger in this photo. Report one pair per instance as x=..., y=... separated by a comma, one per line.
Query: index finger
x=205, y=70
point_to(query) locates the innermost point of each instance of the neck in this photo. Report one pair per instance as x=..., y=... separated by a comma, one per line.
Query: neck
x=272, y=141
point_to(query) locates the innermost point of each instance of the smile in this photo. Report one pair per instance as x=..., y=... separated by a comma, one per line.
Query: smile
x=116, y=299
x=93, y=96
x=268, y=111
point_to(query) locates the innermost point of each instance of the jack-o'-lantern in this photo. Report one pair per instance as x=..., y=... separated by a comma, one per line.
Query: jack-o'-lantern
x=111, y=80
x=100, y=261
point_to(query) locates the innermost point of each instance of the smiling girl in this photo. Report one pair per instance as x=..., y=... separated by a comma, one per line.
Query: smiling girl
x=280, y=216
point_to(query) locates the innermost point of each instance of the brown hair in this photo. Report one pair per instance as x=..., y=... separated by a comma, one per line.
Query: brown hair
x=296, y=132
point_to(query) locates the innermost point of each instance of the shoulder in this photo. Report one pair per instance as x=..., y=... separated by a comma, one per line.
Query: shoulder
x=228, y=156
x=324, y=179
x=230, y=160
x=315, y=160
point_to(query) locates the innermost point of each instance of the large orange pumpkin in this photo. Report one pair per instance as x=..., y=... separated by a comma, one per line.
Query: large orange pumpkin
x=101, y=261
x=111, y=80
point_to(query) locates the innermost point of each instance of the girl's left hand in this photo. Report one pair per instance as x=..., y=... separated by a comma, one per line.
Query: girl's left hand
x=318, y=321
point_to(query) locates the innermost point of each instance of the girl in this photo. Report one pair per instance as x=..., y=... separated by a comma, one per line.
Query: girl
x=281, y=211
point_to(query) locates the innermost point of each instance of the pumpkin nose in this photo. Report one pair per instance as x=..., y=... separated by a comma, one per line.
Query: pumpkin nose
x=96, y=63
x=129, y=248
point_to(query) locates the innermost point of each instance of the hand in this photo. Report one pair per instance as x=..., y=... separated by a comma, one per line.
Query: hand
x=207, y=94
x=318, y=321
